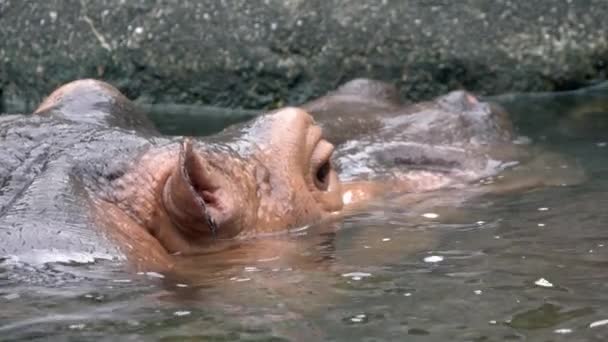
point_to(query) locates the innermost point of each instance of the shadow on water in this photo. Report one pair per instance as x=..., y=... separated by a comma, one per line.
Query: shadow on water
x=523, y=266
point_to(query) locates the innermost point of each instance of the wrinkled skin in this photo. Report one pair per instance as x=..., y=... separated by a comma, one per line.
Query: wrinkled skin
x=154, y=197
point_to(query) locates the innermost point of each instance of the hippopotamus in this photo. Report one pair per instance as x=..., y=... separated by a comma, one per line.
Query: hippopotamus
x=452, y=141
x=88, y=174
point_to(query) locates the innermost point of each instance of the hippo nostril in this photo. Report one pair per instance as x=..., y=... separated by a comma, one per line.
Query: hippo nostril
x=322, y=175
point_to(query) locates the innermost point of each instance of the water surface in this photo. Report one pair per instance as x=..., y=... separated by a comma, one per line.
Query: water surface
x=523, y=266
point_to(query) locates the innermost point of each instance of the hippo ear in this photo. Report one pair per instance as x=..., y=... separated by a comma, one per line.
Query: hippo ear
x=185, y=192
x=95, y=102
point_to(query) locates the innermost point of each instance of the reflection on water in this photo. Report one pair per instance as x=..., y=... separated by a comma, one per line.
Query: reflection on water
x=529, y=265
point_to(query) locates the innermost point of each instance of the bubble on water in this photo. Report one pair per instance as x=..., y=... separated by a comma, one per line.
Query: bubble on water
x=11, y=296
x=240, y=280
x=543, y=209
x=356, y=275
x=522, y=140
x=433, y=258
x=430, y=215
x=407, y=294
x=541, y=224
x=481, y=223
x=386, y=239
x=543, y=283
x=358, y=318
x=77, y=326
x=598, y=323
x=492, y=322
x=181, y=313
x=155, y=275
x=181, y=285
x=121, y=280
x=601, y=144
x=562, y=331
x=478, y=292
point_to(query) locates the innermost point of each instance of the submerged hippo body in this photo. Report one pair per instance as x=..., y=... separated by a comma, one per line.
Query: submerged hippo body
x=80, y=176
x=451, y=141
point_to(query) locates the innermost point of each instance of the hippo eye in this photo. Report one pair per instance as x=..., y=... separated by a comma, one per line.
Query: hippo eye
x=321, y=177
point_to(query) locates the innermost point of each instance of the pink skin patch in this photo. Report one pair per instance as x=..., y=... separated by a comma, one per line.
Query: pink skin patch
x=472, y=99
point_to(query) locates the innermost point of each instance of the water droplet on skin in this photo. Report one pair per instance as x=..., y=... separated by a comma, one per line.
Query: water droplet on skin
x=347, y=197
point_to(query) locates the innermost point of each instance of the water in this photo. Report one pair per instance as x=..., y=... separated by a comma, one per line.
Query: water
x=522, y=266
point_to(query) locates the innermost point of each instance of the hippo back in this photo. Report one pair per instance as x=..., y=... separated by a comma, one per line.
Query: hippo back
x=47, y=162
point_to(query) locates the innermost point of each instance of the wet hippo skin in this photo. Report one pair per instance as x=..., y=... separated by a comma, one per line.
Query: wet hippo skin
x=453, y=141
x=86, y=174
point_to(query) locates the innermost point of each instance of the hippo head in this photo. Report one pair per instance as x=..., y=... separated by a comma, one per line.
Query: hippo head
x=273, y=174
x=265, y=176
